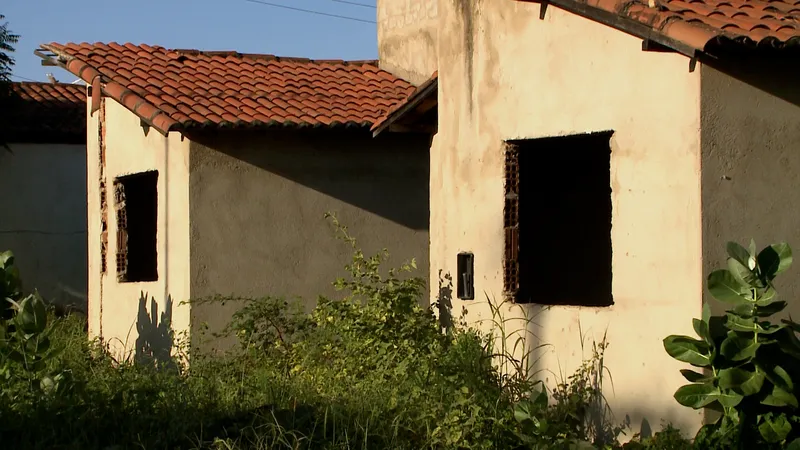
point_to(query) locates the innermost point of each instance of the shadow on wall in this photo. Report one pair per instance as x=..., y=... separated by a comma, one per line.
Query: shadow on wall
x=444, y=301
x=388, y=177
x=155, y=336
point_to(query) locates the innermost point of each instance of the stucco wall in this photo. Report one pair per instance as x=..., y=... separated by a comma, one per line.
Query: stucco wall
x=44, y=218
x=505, y=74
x=115, y=310
x=258, y=205
x=751, y=163
x=407, y=31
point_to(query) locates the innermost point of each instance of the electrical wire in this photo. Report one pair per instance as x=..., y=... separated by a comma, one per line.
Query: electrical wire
x=23, y=78
x=310, y=11
x=363, y=5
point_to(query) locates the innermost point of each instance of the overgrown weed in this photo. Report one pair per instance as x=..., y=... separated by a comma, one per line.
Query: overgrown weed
x=368, y=369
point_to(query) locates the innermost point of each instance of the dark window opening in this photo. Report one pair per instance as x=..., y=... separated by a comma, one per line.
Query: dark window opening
x=136, y=204
x=465, y=286
x=558, y=220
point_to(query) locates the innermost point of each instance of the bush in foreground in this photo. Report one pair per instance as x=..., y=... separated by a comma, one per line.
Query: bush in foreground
x=371, y=369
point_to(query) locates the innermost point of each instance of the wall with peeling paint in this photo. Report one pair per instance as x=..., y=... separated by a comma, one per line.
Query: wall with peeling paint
x=115, y=310
x=505, y=74
x=44, y=218
x=407, y=42
x=751, y=163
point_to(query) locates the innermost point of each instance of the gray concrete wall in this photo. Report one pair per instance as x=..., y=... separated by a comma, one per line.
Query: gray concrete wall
x=751, y=163
x=257, y=208
x=407, y=38
x=43, y=218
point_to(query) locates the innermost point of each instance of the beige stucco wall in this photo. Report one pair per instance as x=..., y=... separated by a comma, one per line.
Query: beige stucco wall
x=407, y=43
x=751, y=163
x=44, y=218
x=114, y=307
x=258, y=205
x=505, y=74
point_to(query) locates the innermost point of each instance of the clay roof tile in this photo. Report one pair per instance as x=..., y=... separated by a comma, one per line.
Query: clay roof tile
x=183, y=85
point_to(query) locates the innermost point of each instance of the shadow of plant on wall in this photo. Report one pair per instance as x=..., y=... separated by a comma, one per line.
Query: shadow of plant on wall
x=155, y=338
x=444, y=301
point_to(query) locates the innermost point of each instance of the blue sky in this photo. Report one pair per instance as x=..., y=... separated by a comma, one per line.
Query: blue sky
x=238, y=25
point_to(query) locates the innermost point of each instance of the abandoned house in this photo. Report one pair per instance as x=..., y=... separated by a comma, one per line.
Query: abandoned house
x=43, y=174
x=592, y=159
x=209, y=173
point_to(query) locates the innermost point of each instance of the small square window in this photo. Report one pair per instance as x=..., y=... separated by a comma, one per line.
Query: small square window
x=136, y=205
x=558, y=220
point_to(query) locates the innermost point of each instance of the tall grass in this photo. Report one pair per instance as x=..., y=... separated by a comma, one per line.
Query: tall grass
x=369, y=369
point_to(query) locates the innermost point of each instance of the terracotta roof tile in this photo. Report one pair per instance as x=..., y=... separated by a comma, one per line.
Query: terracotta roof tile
x=45, y=112
x=183, y=89
x=697, y=23
x=426, y=89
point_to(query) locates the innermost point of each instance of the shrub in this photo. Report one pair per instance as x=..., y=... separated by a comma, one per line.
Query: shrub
x=751, y=365
x=368, y=369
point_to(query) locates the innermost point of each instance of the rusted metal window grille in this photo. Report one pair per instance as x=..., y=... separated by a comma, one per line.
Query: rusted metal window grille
x=511, y=223
x=103, y=229
x=122, y=231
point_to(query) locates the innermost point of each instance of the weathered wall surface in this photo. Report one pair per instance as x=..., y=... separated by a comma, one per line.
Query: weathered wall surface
x=115, y=310
x=407, y=31
x=751, y=164
x=44, y=218
x=258, y=205
x=505, y=74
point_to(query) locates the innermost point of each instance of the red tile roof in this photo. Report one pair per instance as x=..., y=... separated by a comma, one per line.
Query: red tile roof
x=45, y=112
x=699, y=23
x=184, y=89
x=423, y=92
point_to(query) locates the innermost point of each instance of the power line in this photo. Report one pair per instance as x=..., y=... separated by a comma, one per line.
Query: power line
x=309, y=11
x=23, y=78
x=363, y=5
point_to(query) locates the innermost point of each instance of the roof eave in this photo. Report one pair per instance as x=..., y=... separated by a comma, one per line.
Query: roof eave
x=428, y=89
x=624, y=24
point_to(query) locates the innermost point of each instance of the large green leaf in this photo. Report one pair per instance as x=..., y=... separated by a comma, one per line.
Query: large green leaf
x=736, y=323
x=765, y=327
x=794, y=445
x=741, y=255
x=738, y=348
x=707, y=313
x=6, y=258
x=694, y=377
x=32, y=315
x=779, y=397
x=701, y=328
x=725, y=288
x=767, y=297
x=742, y=274
x=744, y=309
x=770, y=309
x=774, y=429
x=777, y=375
x=696, y=395
x=689, y=350
x=788, y=341
x=774, y=259
x=746, y=382
x=728, y=399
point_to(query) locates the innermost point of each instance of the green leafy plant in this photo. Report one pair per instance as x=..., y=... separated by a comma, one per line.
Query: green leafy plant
x=25, y=346
x=750, y=364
